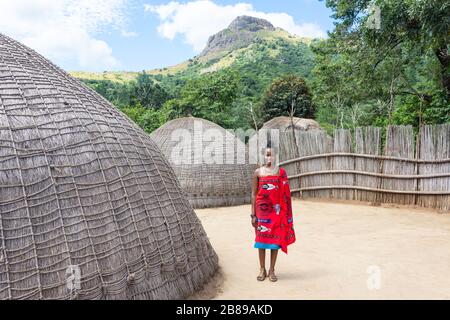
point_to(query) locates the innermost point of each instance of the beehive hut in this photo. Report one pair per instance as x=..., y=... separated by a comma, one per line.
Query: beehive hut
x=89, y=206
x=284, y=124
x=225, y=179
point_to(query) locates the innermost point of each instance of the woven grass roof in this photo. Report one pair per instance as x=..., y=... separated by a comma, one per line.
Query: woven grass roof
x=207, y=184
x=81, y=185
x=285, y=123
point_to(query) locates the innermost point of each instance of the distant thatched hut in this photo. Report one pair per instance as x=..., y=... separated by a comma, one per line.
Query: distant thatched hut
x=284, y=124
x=282, y=135
x=223, y=180
x=89, y=207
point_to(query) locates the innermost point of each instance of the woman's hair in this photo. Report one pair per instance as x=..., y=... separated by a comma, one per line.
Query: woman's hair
x=269, y=146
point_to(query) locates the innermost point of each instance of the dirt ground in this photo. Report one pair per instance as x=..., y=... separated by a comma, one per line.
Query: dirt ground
x=344, y=250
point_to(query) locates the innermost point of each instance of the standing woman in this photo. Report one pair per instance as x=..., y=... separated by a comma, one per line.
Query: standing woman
x=272, y=215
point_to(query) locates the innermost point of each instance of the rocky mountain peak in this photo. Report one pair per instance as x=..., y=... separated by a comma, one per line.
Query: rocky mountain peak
x=241, y=33
x=251, y=24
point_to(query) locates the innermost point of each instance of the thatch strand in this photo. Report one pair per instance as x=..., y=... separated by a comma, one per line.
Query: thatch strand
x=81, y=186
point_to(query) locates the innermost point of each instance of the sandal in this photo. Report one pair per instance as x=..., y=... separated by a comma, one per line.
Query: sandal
x=272, y=276
x=262, y=276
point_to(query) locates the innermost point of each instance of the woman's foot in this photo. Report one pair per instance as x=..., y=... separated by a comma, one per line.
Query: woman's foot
x=272, y=276
x=262, y=275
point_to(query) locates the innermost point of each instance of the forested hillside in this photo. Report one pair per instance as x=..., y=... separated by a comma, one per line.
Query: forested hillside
x=225, y=83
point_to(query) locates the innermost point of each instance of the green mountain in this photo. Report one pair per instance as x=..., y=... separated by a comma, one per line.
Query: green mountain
x=251, y=48
x=246, y=41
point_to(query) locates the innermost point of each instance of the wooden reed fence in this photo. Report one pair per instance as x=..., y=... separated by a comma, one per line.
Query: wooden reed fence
x=408, y=169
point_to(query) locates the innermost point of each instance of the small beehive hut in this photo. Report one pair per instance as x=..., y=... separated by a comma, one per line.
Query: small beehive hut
x=284, y=124
x=284, y=133
x=89, y=206
x=225, y=179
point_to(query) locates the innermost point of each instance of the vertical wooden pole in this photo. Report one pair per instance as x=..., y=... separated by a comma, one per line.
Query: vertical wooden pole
x=417, y=166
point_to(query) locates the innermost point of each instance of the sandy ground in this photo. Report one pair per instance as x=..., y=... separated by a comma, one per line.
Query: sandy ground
x=344, y=250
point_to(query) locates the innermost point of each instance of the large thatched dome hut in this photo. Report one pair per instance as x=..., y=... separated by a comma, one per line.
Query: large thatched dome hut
x=89, y=206
x=223, y=180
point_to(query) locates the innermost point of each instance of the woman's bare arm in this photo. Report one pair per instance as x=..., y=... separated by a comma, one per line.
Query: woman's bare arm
x=255, y=184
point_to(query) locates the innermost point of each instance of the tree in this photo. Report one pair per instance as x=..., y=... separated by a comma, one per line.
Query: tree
x=287, y=96
x=148, y=119
x=119, y=94
x=335, y=85
x=142, y=92
x=148, y=94
x=414, y=26
x=210, y=97
x=152, y=119
x=387, y=74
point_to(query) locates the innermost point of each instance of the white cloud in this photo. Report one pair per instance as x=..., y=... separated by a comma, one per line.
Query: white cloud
x=65, y=30
x=197, y=20
x=128, y=34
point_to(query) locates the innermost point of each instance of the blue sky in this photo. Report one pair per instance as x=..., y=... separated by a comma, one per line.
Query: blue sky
x=134, y=35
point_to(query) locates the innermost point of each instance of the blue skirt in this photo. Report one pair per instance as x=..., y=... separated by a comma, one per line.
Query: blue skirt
x=259, y=245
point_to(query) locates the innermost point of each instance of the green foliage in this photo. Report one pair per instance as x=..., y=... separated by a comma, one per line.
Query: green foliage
x=149, y=94
x=230, y=96
x=335, y=85
x=152, y=119
x=261, y=65
x=148, y=119
x=397, y=74
x=413, y=111
x=117, y=93
x=143, y=91
x=134, y=113
x=141, y=100
x=288, y=96
x=209, y=97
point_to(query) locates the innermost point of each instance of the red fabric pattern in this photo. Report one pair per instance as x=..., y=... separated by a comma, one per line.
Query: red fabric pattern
x=274, y=211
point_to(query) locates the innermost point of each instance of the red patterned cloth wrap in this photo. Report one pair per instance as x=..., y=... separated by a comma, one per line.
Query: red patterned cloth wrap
x=274, y=211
